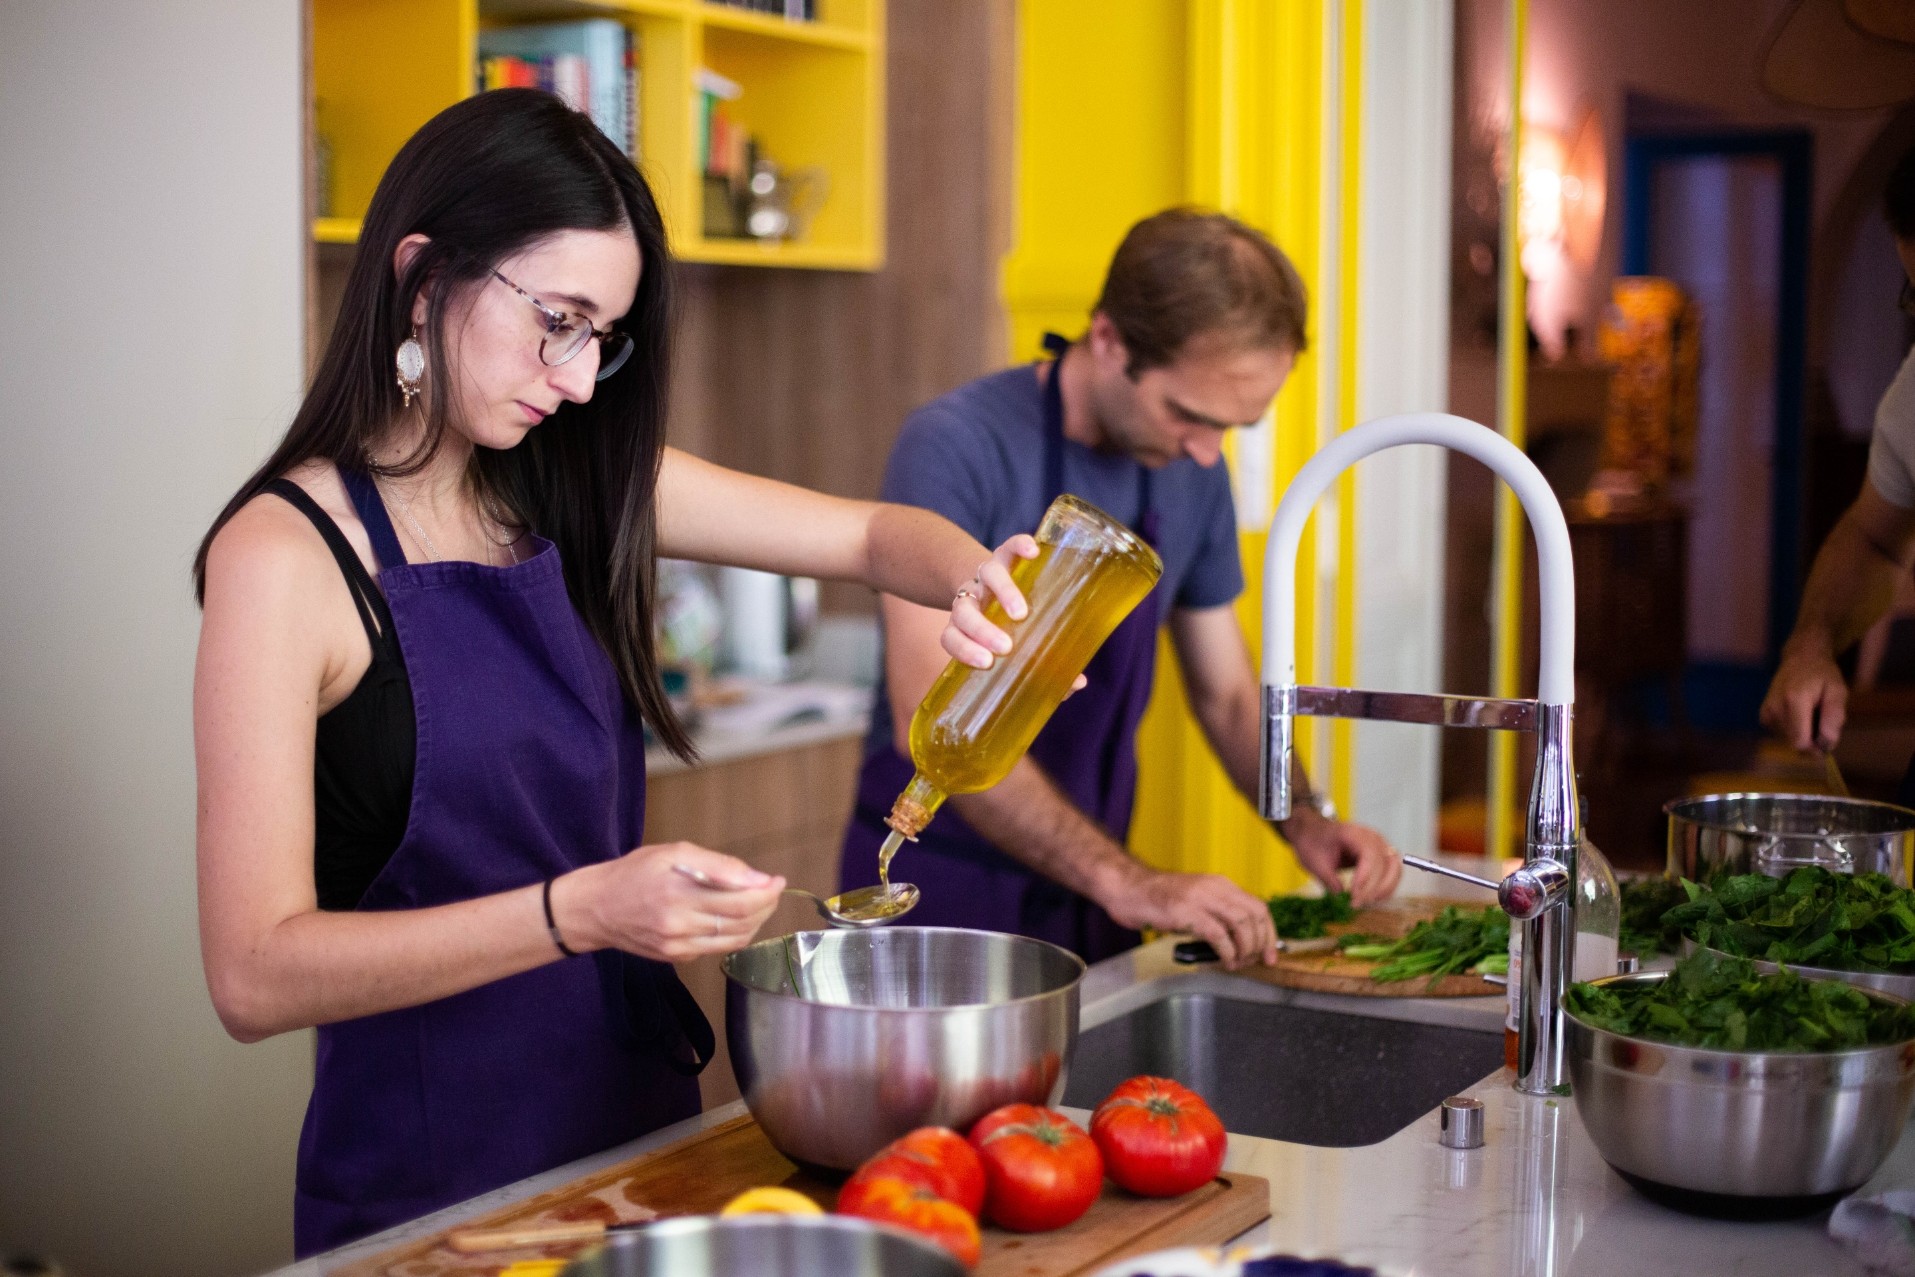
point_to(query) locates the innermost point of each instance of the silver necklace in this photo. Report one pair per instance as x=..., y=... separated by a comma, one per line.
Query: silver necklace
x=405, y=512
x=510, y=547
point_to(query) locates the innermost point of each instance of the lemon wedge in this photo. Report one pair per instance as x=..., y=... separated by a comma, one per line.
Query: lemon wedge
x=771, y=1201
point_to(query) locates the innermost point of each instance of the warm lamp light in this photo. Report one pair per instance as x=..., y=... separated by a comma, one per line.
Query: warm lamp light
x=1543, y=190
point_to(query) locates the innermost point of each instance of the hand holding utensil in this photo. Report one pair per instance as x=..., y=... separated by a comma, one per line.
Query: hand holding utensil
x=863, y=907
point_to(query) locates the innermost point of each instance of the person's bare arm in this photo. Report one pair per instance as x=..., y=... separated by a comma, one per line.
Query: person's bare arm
x=1226, y=699
x=713, y=514
x=276, y=637
x=1031, y=820
x=1850, y=587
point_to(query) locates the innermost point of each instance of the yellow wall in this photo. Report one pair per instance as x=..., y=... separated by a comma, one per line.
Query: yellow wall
x=1128, y=109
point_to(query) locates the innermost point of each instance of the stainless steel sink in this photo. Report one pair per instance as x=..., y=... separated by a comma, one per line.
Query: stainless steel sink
x=1305, y=1068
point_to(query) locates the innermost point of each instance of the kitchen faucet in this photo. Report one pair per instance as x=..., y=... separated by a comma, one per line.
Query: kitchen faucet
x=1539, y=894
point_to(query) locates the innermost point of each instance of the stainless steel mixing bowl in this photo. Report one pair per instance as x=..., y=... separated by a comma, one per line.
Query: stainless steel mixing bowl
x=900, y=1027
x=1766, y=1124
x=765, y=1246
x=1774, y=833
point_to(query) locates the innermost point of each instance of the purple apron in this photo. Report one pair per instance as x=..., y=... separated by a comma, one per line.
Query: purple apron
x=1088, y=749
x=530, y=763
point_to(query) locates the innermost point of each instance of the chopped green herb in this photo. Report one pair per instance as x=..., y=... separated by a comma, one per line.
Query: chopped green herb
x=1847, y=922
x=1644, y=902
x=1307, y=917
x=1725, y=1004
x=1458, y=939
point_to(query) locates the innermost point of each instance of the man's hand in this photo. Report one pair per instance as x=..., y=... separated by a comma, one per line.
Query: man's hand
x=1236, y=923
x=1808, y=701
x=1325, y=846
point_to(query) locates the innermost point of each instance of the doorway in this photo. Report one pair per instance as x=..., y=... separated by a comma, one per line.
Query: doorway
x=1726, y=216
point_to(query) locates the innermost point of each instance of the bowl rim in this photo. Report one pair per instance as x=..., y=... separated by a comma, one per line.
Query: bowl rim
x=1730, y=1053
x=1808, y=972
x=725, y=966
x=830, y=1221
x=1669, y=811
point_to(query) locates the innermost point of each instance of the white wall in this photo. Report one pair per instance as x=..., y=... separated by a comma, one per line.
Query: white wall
x=1402, y=366
x=150, y=351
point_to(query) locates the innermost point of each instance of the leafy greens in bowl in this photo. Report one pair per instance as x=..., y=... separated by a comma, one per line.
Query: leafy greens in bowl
x=1846, y=922
x=1724, y=1003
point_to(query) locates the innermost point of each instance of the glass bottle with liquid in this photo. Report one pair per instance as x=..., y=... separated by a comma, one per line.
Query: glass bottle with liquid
x=973, y=725
x=1597, y=911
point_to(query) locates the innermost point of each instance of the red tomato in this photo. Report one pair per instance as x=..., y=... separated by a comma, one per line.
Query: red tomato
x=1040, y=1169
x=935, y=1157
x=914, y=1207
x=1158, y=1137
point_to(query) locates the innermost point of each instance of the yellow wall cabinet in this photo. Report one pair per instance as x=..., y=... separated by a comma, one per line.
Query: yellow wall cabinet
x=813, y=95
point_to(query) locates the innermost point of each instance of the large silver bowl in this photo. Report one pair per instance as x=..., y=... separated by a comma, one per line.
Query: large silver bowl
x=1739, y=1124
x=765, y=1246
x=1774, y=833
x=899, y=1027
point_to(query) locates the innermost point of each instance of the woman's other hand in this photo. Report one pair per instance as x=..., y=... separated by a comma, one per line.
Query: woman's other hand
x=641, y=904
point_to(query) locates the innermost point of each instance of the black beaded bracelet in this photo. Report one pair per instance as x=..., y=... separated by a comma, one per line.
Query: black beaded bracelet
x=551, y=923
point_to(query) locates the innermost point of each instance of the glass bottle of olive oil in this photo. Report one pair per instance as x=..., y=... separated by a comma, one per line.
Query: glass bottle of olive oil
x=973, y=725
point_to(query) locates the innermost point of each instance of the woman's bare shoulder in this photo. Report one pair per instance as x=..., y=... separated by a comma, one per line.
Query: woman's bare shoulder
x=270, y=539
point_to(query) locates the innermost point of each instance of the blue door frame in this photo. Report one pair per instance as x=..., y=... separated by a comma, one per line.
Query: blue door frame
x=1724, y=697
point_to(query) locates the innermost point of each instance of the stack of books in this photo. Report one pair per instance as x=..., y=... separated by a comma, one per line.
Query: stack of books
x=592, y=65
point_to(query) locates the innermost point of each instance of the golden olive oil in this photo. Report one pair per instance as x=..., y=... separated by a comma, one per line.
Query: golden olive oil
x=973, y=725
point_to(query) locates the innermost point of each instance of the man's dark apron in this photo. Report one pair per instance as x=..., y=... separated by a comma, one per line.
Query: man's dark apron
x=530, y=763
x=1088, y=749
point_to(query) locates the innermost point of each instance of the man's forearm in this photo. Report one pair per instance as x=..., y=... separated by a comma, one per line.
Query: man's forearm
x=1027, y=817
x=1850, y=587
x=1234, y=729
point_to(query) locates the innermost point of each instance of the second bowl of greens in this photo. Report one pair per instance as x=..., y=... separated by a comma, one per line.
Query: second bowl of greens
x=1721, y=1088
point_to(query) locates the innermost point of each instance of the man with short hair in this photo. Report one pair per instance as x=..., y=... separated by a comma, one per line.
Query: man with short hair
x=1852, y=582
x=1200, y=321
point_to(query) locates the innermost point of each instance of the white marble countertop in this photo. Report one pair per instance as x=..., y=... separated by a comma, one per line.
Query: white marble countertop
x=1535, y=1201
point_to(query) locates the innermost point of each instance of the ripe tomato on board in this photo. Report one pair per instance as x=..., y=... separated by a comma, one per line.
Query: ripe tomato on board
x=917, y=1208
x=1041, y=1170
x=1158, y=1137
x=935, y=1157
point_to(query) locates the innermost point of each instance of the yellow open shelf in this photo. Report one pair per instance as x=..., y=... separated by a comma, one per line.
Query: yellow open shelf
x=813, y=93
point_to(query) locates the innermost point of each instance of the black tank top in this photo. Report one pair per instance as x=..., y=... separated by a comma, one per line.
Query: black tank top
x=363, y=761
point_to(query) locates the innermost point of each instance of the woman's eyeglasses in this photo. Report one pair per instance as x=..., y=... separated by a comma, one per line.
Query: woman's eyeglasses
x=566, y=335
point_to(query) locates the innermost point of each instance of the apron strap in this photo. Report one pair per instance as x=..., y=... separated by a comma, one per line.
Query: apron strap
x=372, y=512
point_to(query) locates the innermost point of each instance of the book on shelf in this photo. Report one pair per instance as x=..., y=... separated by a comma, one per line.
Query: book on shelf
x=592, y=65
x=795, y=10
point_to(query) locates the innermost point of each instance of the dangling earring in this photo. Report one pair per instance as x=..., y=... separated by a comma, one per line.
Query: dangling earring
x=412, y=366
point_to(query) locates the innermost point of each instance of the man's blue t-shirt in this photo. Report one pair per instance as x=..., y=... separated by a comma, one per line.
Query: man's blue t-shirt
x=976, y=456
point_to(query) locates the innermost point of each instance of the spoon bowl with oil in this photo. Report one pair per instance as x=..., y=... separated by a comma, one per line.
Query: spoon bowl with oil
x=858, y=908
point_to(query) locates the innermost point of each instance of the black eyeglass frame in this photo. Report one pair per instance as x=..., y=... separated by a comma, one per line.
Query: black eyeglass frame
x=611, y=357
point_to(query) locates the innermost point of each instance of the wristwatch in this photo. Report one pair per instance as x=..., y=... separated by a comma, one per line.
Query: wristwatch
x=1320, y=803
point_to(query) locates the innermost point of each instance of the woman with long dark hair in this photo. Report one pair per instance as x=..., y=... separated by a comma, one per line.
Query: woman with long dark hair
x=426, y=666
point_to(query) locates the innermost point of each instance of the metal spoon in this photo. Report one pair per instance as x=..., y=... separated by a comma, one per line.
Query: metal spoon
x=863, y=907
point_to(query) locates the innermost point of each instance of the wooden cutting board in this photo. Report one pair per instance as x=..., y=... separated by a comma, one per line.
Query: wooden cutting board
x=1334, y=973
x=700, y=1174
